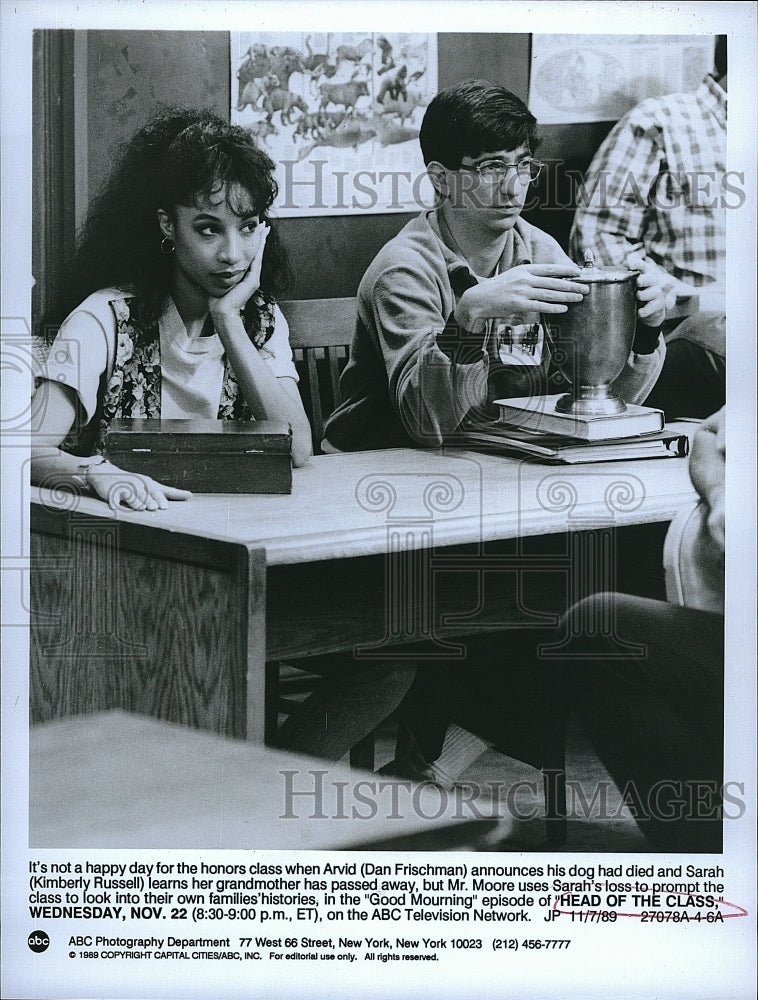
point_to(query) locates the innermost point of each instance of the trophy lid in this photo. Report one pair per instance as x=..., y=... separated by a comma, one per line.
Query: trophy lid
x=593, y=273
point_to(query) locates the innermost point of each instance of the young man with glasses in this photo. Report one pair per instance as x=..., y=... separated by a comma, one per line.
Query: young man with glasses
x=452, y=311
x=451, y=315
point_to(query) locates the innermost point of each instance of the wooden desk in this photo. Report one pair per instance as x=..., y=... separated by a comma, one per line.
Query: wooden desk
x=113, y=780
x=175, y=613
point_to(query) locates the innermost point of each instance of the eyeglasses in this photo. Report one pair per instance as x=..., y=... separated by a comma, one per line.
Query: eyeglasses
x=527, y=169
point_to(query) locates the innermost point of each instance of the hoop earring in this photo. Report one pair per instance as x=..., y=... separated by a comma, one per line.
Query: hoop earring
x=167, y=245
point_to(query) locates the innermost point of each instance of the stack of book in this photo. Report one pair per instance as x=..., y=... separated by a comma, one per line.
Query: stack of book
x=530, y=426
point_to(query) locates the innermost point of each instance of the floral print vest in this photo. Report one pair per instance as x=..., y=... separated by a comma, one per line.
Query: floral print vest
x=134, y=387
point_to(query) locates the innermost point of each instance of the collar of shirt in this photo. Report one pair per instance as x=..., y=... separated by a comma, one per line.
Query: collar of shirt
x=174, y=334
x=714, y=98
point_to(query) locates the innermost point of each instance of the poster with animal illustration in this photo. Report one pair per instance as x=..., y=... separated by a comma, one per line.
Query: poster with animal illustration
x=339, y=113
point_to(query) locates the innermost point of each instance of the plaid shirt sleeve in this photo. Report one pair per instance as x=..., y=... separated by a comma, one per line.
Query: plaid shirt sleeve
x=659, y=179
x=613, y=210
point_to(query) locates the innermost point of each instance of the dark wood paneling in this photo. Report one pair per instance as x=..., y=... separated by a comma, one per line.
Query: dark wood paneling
x=330, y=255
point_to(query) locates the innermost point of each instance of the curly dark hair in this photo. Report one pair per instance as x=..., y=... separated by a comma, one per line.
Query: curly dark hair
x=178, y=157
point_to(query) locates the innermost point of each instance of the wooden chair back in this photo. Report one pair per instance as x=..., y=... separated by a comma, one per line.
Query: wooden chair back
x=320, y=334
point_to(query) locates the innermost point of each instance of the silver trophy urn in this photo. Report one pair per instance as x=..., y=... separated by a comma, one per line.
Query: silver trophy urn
x=595, y=339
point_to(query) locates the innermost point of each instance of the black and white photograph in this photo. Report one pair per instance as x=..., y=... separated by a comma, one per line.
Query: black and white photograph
x=375, y=585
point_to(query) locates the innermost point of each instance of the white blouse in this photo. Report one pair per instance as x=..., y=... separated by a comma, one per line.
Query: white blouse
x=192, y=369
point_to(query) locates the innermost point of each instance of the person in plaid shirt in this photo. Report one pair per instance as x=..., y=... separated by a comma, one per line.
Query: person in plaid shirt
x=657, y=180
x=657, y=191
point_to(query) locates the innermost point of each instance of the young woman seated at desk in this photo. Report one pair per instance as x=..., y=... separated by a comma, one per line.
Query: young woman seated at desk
x=170, y=307
x=170, y=313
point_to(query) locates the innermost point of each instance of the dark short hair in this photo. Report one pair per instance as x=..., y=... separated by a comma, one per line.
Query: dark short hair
x=474, y=117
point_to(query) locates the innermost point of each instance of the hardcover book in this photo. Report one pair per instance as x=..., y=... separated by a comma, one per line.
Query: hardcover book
x=554, y=448
x=538, y=413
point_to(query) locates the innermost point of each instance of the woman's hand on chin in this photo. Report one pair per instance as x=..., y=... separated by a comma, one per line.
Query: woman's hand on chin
x=233, y=301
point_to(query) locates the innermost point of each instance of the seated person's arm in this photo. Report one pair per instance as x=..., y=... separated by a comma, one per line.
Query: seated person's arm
x=436, y=364
x=550, y=289
x=54, y=414
x=527, y=288
x=707, y=471
x=645, y=361
x=612, y=210
x=432, y=389
x=62, y=401
x=269, y=397
x=616, y=201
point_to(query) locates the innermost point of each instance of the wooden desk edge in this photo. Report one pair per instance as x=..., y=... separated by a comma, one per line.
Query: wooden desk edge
x=157, y=539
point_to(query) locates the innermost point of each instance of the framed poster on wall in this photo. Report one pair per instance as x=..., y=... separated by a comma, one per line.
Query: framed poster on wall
x=339, y=113
x=594, y=78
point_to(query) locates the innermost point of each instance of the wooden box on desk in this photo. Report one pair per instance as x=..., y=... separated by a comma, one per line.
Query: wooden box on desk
x=205, y=456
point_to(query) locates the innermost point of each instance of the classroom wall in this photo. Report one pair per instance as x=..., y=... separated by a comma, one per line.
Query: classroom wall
x=130, y=72
x=109, y=82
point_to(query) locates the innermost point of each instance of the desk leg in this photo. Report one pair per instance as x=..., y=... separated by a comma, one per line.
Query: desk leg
x=251, y=622
x=148, y=621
